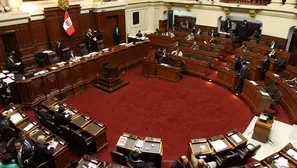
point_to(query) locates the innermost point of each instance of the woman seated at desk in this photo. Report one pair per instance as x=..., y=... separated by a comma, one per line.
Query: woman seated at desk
x=195, y=46
x=177, y=53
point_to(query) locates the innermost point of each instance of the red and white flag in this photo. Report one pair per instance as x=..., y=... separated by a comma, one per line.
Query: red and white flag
x=67, y=25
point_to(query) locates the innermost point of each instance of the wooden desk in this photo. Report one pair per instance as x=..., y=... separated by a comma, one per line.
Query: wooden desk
x=289, y=99
x=292, y=70
x=89, y=161
x=262, y=131
x=168, y=72
x=149, y=67
x=290, y=153
x=236, y=138
x=98, y=131
x=25, y=126
x=270, y=161
x=199, y=146
x=254, y=97
x=194, y=67
x=221, y=144
x=227, y=77
x=81, y=120
x=76, y=76
x=17, y=117
x=126, y=143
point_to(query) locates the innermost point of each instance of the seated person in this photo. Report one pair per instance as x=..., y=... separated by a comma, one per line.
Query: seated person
x=212, y=33
x=21, y=154
x=292, y=82
x=273, y=45
x=200, y=163
x=176, y=43
x=177, y=52
x=157, y=32
x=10, y=63
x=139, y=34
x=190, y=37
x=213, y=41
x=243, y=47
x=7, y=162
x=165, y=33
x=272, y=54
x=164, y=56
x=136, y=162
x=199, y=31
x=45, y=115
x=41, y=151
x=60, y=117
x=181, y=162
x=195, y=46
x=171, y=35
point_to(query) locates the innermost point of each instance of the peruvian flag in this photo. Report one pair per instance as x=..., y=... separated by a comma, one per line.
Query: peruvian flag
x=67, y=25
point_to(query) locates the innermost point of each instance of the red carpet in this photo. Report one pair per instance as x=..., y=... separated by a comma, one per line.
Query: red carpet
x=175, y=112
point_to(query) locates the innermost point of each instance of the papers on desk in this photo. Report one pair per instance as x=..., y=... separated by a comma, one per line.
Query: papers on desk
x=122, y=141
x=219, y=145
x=41, y=72
x=53, y=144
x=47, y=51
x=263, y=117
x=236, y=138
x=54, y=68
x=16, y=117
x=276, y=75
x=10, y=75
x=254, y=83
x=28, y=127
x=122, y=44
x=8, y=80
x=139, y=144
x=18, y=63
x=92, y=165
x=5, y=71
x=292, y=153
x=105, y=49
x=281, y=163
x=2, y=75
x=164, y=64
x=264, y=93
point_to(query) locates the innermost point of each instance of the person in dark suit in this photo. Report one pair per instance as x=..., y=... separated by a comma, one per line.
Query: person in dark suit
x=243, y=75
x=265, y=67
x=136, y=162
x=45, y=115
x=60, y=118
x=26, y=142
x=243, y=31
x=10, y=63
x=238, y=64
x=181, y=162
x=117, y=36
x=59, y=48
x=139, y=34
x=158, y=55
x=227, y=25
x=41, y=152
x=21, y=154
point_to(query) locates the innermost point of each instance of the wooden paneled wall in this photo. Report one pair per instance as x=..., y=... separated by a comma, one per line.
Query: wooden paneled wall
x=39, y=35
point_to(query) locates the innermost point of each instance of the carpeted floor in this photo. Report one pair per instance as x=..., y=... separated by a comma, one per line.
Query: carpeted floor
x=175, y=112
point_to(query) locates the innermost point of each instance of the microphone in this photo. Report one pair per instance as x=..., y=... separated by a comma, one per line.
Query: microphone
x=148, y=132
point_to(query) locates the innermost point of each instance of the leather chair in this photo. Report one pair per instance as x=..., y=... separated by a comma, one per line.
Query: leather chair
x=206, y=48
x=248, y=151
x=118, y=157
x=41, y=59
x=4, y=145
x=100, y=44
x=217, y=51
x=83, y=141
x=281, y=62
x=205, y=33
x=248, y=59
x=66, y=134
x=253, y=41
x=230, y=160
x=66, y=55
x=10, y=144
x=46, y=164
x=239, y=55
x=270, y=82
x=198, y=57
x=53, y=58
x=83, y=49
x=6, y=134
x=271, y=90
x=262, y=43
x=208, y=60
x=276, y=99
x=52, y=127
x=284, y=74
x=255, y=50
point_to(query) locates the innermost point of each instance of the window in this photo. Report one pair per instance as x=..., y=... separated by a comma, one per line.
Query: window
x=135, y=18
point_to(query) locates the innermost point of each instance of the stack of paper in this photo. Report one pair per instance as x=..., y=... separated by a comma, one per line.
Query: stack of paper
x=254, y=83
x=8, y=80
x=122, y=44
x=276, y=75
x=282, y=162
x=92, y=165
x=28, y=127
x=2, y=75
x=292, y=153
x=16, y=117
x=236, y=138
x=264, y=93
x=219, y=145
x=122, y=141
x=53, y=144
x=139, y=144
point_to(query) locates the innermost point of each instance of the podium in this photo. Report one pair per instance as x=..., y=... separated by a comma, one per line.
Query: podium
x=111, y=80
x=262, y=130
x=149, y=67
